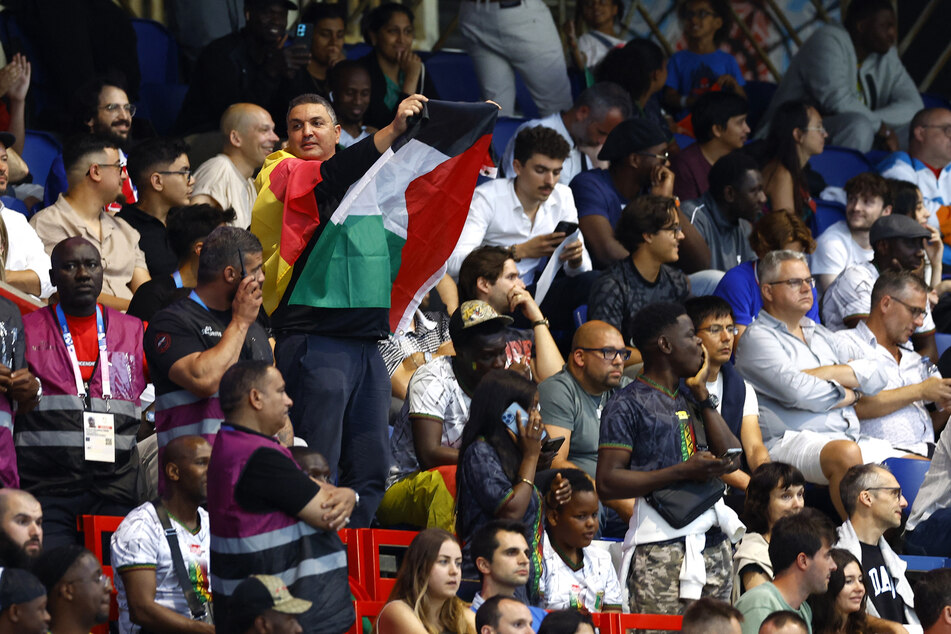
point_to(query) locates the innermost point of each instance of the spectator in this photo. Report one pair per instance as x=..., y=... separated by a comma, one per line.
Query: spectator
x=926, y=163
x=160, y=170
x=724, y=215
x=428, y=433
x=22, y=603
x=776, y=231
x=246, y=66
x=640, y=67
x=577, y=575
x=500, y=553
x=734, y=398
x=188, y=228
x=642, y=451
x=702, y=66
x=651, y=231
x=806, y=412
x=504, y=615
x=574, y=398
x=603, y=22
x=21, y=529
x=312, y=463
x=907, y=201
x=709, y=616
x=350, y=81
x=150, y=592
x=799, y=554
x=263, y=604
x=490, y=274
x=857, y=77
x=847, y=242
x=901, y=413
x=256, y=489
x=932, y=600
x=225, y=180
x=19, y=388
x=343, y=389
x=432, y=562
x=776, y=490
x=102, y=108
x=637, y=154
x=193, y=342
x=568, y=621
x=75, y=454
x=77, y=591
x=396, y=72
x=25, y=262
x=326, y=49
x=874, y=504
x=523, y=214
x=719, y=123
x=784, y=622
x=497, y=466
x=795, y=136
x=501, y=40
x=95, y=179
x=928, y=530
x=584, y=127
x=842, y=607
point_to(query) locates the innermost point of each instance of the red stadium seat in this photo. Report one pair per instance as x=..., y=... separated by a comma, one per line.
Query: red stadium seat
x=353, y=540
x=374, y=539
x=97, y=530
x=624, y=622
x=365, y=609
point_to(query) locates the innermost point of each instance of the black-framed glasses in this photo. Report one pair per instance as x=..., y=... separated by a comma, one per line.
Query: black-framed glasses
x=114, y=108
x=117, y=165
x=796, y=282
x=187, y=173
x=896, y=491
x=914, y=310
x=702, y=14
x=660, y=157
x=716, y=329
x=946, y=128
x=675, y=228
x=610, y=354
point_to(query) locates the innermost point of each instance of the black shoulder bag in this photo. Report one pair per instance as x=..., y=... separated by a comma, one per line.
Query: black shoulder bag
x=199, y=611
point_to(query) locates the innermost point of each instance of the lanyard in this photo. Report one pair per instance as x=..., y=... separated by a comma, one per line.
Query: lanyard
x=74, y=360
x=177, y=278
x=195, y=298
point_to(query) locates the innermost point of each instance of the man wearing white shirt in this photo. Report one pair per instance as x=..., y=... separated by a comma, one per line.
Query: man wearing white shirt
x=584, y=127
x=522, y=213
x=27, y=264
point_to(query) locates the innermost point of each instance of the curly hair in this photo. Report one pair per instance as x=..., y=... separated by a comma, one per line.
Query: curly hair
x=540, y=140
x=777, y=229
x=645, y=214
x=869, y=185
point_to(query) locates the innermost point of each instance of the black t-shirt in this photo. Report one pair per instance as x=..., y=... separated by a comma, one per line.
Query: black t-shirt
x=880, y=585
x=184, y=328
x=154, y=295
x=153, y=240
x=270, y=480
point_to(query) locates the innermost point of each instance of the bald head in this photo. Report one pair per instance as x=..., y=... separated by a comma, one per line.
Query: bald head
x=597, y=357
x=76, y=271
x=182, y=449
x=185, y=467
x=592, y=333
x=10, y=498
x=929, y=139
x=21, y=528
x=248, y=131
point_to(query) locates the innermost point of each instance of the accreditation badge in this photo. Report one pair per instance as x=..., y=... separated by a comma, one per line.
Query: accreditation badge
x=99, y=437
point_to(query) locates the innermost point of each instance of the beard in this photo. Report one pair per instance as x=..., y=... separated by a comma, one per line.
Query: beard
x=14, y=556
x=110, y=133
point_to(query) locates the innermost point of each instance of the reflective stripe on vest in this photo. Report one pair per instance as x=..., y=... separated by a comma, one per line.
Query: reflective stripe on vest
x=305, y=568
x=69, y=402
x=257, y=543
x=124, y=442
x=207, y=427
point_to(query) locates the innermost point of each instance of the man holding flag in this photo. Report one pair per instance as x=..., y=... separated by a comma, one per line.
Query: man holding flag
x=338, y=277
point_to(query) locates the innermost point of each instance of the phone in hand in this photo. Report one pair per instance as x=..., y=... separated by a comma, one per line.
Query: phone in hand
x=552, y=445
x=566, y=227
x=303, y=34
x=509, y=418
x=244, y=271
x=730, y=453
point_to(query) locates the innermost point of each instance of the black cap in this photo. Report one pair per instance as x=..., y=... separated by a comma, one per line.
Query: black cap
x=18, y=586
x=7, y=139
x=263, y=4
x=896, y=226
x=259, y=593
x=633, y=135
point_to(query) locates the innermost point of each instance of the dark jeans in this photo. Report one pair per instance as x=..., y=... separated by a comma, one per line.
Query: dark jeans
x=341, y=393
x=60, y=513
x=931, y=538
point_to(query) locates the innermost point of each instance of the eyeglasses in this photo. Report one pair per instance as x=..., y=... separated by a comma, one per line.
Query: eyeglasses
x=815, y=128
x=673, y=228
x=914, y=310
x=187, y=173
x=702, y=14
x=114, y=108
x=117, y=165
x=610, y=354
x=946, y=128
x=796, y=282
x=716, y=329
x=896, y=491
x=660, y=157
x=100, y=577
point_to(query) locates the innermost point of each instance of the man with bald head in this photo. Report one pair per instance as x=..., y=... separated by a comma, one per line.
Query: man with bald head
x=225, y=179
x=21, y=529
x=74, y=450
x=150, y=593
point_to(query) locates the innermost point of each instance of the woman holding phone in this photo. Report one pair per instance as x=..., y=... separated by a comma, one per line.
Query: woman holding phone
x=499, y=462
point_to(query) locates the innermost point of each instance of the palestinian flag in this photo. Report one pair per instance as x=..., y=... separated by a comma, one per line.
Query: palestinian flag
x=388, y=241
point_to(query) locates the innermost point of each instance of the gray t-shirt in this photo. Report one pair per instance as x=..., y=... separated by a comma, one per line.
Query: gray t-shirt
x=564, y=403
x=763, y=600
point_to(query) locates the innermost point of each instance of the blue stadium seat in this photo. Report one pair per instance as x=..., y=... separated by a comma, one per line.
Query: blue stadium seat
x=759, y=94
x=40, y=150
x=827, y=214
x=935, y=101
x=504, y=130
x=158, y=52
x=838, y=164
x=910, y=473
x=356, y=51
x=454, y=76
x=684, y=140
x=924, y=564
x=874, y=157
x=162, y=103
x=942, y=342
x=580, y=315
x=15, y=204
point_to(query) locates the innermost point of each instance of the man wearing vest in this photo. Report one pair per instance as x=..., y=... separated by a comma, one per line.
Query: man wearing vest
x=266, y=515
x=191, y=343
x=74, y=448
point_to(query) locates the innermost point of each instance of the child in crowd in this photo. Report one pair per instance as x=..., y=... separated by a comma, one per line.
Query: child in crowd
x=577, y=575
x=602, y=19
x=350, y=92
x=702, y=66
x=312, y=463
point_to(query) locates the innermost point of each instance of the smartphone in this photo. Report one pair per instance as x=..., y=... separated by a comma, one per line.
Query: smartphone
x=244, y=271
x=303, y=34
x=553, y=444
x=731, y=453
x=509, y=418
x=566, y=227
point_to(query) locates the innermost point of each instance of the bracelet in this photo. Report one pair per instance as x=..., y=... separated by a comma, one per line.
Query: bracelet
x=541, y=322
x=528, y=482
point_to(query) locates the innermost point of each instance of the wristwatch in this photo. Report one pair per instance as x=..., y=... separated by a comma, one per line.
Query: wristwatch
x=711, y=402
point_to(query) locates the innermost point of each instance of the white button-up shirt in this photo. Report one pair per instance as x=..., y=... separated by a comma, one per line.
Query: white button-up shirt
x=26, y=251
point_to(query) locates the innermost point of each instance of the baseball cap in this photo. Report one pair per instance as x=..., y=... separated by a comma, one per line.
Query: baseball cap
x=631, y=136
x=474, y=312
x=260, y=593
x=896, y=226
x=18, y=586
x=7, y=139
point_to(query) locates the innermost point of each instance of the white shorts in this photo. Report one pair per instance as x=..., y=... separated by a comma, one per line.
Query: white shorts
x=802, y=448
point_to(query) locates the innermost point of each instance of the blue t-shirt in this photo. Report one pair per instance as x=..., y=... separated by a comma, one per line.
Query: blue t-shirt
x=740, y=289
x=689, y=73
x=595, y=195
